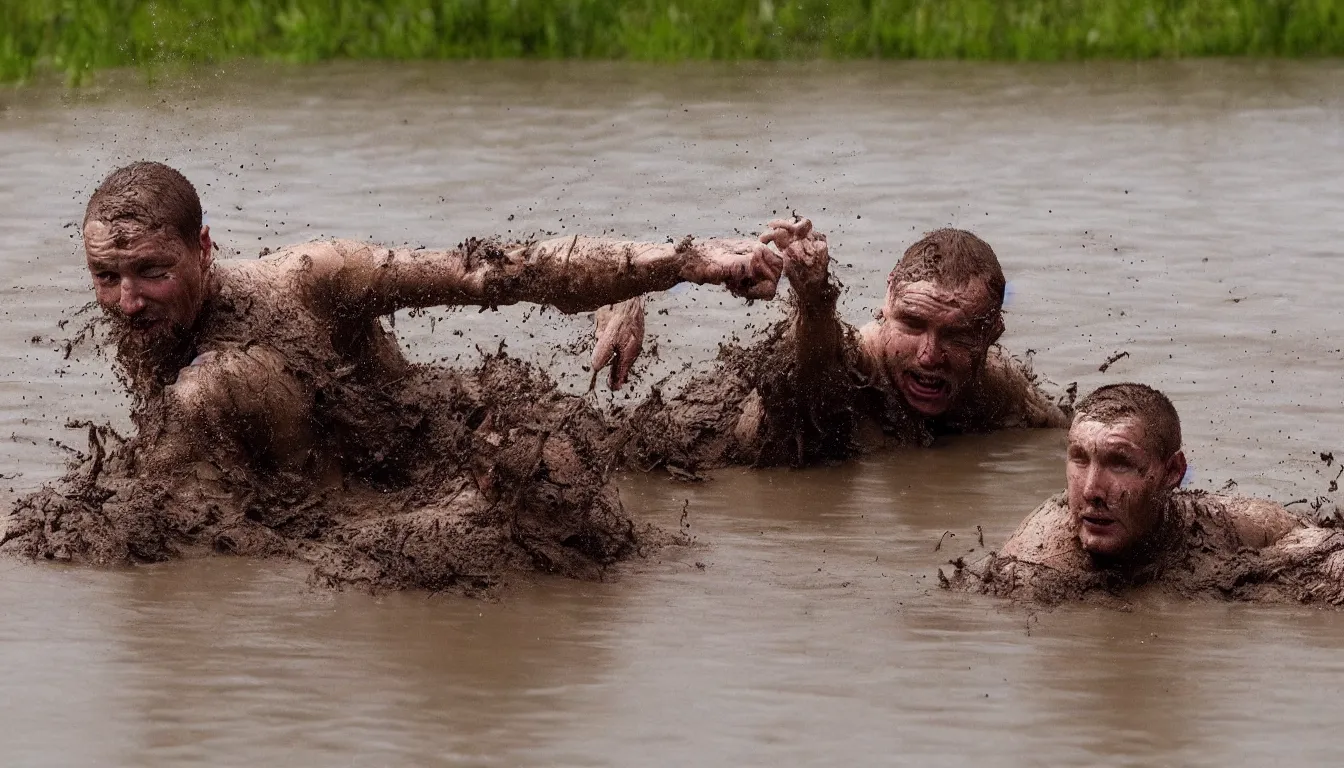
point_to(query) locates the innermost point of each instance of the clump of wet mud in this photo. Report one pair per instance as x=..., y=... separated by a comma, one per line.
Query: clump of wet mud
x=1198, y=557
x=463, y=478
x=755, y=408
x=1273, y=576
x=1027, y=582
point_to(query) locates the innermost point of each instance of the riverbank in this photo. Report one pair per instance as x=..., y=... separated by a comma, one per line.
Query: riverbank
x=78, y=37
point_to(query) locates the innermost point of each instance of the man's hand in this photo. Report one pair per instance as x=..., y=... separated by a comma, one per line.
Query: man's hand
x=620, y=333
x=747, y=268
x=807, y=258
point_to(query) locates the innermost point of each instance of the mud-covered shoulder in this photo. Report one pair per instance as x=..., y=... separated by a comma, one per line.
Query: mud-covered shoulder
x=1047, y=537
x=272, y=274
x=305, y=272
x=307, y=269
x=1041, y=562
x=1009, y=394
x=1257, y=523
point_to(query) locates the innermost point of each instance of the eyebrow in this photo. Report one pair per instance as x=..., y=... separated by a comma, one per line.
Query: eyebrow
x=1129, y=450
x=925, y=306
x=920, y=308
x=1113, y=445
x=150, y=259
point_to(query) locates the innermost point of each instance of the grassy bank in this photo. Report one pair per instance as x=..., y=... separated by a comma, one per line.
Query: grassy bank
x=78, y=36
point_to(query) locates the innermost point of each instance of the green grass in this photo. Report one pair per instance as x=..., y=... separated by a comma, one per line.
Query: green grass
x=78, y=36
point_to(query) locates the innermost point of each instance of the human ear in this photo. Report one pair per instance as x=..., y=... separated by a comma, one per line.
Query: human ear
x=1174, y=471
x=207, y=247
x=995, y=330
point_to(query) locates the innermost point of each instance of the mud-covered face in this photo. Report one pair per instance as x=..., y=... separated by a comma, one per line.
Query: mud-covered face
x=933, y=340
x=1116, y=484
x=151, y=282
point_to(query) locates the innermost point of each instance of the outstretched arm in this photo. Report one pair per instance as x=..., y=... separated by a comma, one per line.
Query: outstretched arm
x=816, y=327
x=573, y=274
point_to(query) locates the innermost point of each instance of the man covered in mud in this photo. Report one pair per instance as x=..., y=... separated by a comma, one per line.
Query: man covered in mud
x=275, y=414
x=816, y=389
x=1124, y=521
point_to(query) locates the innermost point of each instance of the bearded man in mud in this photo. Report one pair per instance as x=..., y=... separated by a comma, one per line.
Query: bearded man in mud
x=816, y=389
x=268, y=395
x=1124, y=521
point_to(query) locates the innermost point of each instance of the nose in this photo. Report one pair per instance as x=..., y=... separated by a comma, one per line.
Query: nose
x=1094, y=487
x=130, y=302
x=930, y=352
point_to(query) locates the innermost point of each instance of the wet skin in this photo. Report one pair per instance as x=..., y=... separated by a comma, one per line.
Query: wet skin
x=152, y=280
x=933, y=338
x=1115, y=485
x=154, y=286
x=932, y=341
x=1120, y=489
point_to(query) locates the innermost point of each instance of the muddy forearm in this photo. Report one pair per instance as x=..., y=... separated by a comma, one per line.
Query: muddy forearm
x=573, y=274
x=818, y=333
x=578, y=274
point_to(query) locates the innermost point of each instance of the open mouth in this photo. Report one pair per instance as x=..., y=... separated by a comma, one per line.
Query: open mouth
x=926, y=386
x=1096, y=521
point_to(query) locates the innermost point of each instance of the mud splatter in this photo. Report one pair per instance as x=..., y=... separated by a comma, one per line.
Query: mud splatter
x=502, y=474
x=1200, y=558
x=752, y=408
x=755, y=408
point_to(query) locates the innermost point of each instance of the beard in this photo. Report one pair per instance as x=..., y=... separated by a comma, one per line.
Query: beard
x=149, y=358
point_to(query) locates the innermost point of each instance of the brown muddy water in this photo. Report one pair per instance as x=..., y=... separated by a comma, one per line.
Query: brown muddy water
x=1189, y=214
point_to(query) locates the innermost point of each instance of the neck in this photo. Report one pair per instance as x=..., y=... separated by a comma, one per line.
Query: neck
x=211, y=287
x=1146, y=557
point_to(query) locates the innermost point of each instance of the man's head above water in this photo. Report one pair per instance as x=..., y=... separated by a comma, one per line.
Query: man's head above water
x=1124, y=459
x=943, y=311
x=147, y=251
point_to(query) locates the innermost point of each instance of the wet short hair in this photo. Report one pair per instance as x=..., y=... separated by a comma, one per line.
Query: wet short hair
x=954, y=258
x=1152, y=409
x=149, y=196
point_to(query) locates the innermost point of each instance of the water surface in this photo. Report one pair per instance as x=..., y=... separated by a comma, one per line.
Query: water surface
x=1187, y=213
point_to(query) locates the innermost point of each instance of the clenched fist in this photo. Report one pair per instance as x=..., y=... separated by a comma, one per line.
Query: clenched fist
x=807, y=258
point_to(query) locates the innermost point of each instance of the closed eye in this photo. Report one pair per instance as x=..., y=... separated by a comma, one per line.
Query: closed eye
x=912, y=322
x=1122, y=463
x=964, y=338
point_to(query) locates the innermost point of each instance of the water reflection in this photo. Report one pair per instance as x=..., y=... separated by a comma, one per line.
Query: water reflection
x=242, y=661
